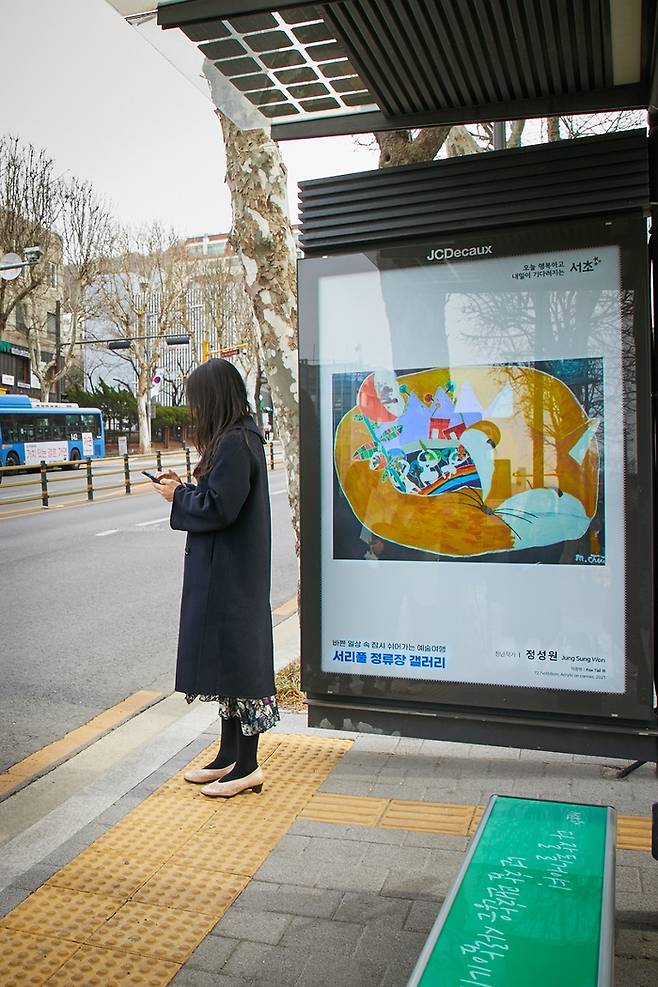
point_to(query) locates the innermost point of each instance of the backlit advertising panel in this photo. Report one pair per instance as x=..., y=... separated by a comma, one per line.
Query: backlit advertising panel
x=476, y=444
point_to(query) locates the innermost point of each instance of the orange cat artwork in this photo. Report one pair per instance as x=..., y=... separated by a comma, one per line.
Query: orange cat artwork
x=470, y=461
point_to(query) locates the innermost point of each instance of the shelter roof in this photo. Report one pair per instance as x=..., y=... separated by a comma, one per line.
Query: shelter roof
x=353, y=66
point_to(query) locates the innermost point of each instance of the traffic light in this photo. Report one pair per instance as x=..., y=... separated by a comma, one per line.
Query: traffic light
x=205, y=350
x=177, y=340
x=119, y=344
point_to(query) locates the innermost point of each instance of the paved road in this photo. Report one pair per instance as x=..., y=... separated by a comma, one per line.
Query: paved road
x=89, y=610
x=20, y=493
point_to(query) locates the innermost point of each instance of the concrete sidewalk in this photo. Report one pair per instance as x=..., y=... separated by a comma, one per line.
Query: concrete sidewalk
x=333, y=875
x=344, y=903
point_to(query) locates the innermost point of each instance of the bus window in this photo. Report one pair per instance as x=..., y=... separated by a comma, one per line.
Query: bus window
x=57, y=428
x=25, y=428
x=73, y=426
x=90, y=424
x=42, y=428
x=7, y=424
x=10, y=429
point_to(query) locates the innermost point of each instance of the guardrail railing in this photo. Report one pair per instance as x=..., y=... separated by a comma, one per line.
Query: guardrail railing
x=41, y=475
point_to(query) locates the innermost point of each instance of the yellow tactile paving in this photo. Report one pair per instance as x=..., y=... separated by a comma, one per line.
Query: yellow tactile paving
x=103, y=873
x=345, y=809
x=204, y=889
x=134, y=838
x=150, y=930
x=240, y=853
x=39, y=762
x=634, y=833
x=139, y=847
x=155, y=812
x=132, y=907
x=95, y=967
x=235, y=816
x=475, y=821
x=61, y=914
x=27, y=960
x=287, y=608
x=427, y=817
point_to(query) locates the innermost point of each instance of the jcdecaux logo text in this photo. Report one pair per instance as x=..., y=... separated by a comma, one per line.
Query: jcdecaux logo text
x=451, y=253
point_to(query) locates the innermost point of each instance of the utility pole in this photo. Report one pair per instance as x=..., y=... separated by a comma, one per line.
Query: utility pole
x=500, y=137
x=58, y=345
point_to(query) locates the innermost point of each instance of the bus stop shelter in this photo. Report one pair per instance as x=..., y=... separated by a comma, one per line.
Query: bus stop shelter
x=537, y=627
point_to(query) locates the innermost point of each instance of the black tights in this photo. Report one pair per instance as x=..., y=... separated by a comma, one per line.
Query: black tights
x=235, y=747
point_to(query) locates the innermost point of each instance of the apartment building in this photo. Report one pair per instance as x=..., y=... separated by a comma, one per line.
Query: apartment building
x=39, y=312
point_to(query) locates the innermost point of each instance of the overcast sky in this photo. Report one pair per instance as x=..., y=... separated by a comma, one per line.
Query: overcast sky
x=78, y=81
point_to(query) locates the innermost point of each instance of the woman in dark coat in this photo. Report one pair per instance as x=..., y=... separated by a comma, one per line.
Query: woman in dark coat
x=225, y=648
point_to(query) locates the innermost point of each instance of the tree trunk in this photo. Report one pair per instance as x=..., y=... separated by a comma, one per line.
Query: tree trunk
x=460, y=141
x=143, y=420
x=400, y=147
x=553, y=128
x=516, y=133
x=262, y=236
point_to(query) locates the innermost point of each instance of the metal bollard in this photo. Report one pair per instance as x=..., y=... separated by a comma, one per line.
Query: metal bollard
x=158, y=460
x=126, y=472
x=188, y=464
x=90, y=481
x=271, y=455
x=44, y=484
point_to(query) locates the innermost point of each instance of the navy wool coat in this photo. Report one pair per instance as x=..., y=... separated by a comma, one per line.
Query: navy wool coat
x=225, y=637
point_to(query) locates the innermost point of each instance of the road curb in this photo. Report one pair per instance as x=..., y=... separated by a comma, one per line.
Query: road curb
x=60, y=824
x=36, y=765
x=286, y=641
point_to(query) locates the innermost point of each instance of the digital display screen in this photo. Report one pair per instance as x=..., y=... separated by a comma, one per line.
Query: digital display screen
x=475, y=435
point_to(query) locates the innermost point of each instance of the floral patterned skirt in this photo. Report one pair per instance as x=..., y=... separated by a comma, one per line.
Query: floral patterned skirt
x=255, y=715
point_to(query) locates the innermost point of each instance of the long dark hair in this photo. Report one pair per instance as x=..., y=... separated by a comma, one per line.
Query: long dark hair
x=217, y=399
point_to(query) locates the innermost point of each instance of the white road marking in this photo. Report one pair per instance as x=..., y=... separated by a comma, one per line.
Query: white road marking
x=102, y=534
x=144, y=524
x=273, y=493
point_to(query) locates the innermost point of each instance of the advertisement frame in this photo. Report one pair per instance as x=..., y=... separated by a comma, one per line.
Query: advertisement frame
x=635, y=707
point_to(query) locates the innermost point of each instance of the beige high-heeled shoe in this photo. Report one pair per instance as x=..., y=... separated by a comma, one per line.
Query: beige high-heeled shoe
x=227, y=789
x=201, y=776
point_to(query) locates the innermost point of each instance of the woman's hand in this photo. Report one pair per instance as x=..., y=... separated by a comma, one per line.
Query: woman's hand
x=170, y=475
x=167, y=487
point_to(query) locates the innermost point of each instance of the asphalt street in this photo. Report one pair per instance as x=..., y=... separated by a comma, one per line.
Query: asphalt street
x=21, y=492
x=89, y=599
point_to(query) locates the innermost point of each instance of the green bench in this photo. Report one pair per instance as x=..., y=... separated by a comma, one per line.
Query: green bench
x=533, y=903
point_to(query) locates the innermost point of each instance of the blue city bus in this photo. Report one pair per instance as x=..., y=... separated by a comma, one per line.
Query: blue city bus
x=35, y=431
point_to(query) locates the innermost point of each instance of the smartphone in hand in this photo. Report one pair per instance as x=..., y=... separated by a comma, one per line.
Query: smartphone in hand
x=151, y=476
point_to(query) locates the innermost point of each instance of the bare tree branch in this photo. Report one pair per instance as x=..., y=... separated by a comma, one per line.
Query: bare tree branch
x=142, y=296
x=398, y=147
x=30, y=205
x=516, y=133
